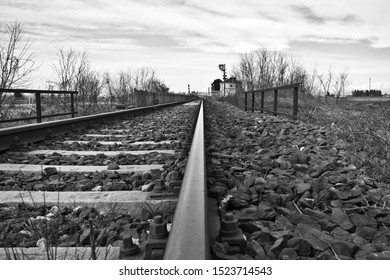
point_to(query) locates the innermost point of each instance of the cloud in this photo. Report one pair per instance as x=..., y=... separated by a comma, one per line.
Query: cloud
x=312, y=17
x=308, y=14
x=175, y=34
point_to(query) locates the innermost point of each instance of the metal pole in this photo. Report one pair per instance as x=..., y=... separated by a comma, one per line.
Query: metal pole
x=224, y=84
x=275, y=102
x=246, y=100
x=262, y=102
x=38, y=106
x=72, y=104
x=295, y=103
x=253, y=102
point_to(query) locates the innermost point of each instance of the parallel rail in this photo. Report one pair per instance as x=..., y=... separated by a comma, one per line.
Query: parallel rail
x=37, y=132
x=188, y=238
x=190, y=235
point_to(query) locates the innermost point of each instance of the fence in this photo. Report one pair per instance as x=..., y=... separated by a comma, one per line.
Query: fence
x=144, y=98
x=38, y=103
x=275, y=90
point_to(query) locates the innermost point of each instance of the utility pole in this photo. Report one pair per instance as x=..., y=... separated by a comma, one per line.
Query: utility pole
x=222, y=67
x=369, y=84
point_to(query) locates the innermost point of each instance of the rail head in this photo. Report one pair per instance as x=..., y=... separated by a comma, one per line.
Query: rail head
x=188, y=238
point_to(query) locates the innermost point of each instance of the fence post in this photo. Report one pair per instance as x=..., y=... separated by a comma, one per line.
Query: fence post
x=72, y=104
x=38, y=106
x=262, y=102
x=253, y=102
x=275, y=102
x=295, y=102
x=246, y=99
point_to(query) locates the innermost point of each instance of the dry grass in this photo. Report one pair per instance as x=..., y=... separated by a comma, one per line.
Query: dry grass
x=364, y=126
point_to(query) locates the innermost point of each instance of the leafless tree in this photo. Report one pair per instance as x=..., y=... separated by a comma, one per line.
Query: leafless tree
x=121, y=88
x=74, y=72
x=264, y=68
x=17, y=62
x=70, y=66
x=326, y=81
x=340, y=84
x=309, y=84
x=245, y=70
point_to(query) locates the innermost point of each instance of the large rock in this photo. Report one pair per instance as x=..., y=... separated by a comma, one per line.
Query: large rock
x=288, y=254
x=342, y=219
x=362, y=220
x=296, y=218
x=48, y=171
x=301, y=246
x=368, y=233
x=316, y=238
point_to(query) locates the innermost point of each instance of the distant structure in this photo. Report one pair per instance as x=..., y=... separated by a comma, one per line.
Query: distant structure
x=371, y=92
x=231, y=86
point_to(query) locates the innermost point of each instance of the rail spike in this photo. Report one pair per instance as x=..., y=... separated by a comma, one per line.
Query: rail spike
x=158, y=239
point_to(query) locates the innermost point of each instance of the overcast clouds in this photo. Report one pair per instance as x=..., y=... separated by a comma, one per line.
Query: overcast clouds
x=185, y=40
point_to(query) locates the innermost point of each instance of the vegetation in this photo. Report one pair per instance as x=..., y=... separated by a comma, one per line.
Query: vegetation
x=17, y=62
x=73, y=71
x=372, y=92
x=362, y=126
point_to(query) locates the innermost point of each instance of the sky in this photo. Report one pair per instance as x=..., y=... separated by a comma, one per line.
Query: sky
x=186, y=40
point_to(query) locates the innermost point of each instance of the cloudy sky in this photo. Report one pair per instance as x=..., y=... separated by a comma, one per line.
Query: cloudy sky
x=185, y=40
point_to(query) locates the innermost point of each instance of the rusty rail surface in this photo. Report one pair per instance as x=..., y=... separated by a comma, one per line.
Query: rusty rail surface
x=275, y=90
x=37, y=132
x=188, y=239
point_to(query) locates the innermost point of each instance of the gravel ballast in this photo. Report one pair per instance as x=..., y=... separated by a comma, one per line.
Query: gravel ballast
x=292, y=190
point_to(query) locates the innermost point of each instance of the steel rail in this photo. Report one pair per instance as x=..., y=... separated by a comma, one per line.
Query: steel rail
x=37, y=132
x=188, y=238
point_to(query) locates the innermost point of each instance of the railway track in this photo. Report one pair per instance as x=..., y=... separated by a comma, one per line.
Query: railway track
x=113, y=184
x=273, y=189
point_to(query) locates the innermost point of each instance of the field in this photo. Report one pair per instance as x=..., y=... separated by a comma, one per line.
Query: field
x=363, y=124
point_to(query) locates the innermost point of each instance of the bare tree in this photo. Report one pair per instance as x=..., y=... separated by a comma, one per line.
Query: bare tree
x=341, y=83
x=71, y=64
x=245, y=70
x=74, y=72
x=17, y=62
x=264, y=68
x=326, y=81
x=309, y=83
x=122, y=87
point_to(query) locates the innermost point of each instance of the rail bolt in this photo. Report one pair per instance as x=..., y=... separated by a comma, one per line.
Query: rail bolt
x=158, y=187
x=176, y=176
x=127, y=248
x=218, y=173
x=157, y=241
x=158, y=228
x=231, y=234
x=175, y=183
x=229, y=225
